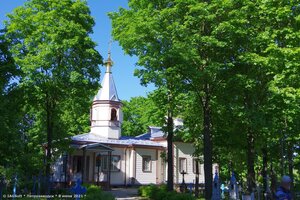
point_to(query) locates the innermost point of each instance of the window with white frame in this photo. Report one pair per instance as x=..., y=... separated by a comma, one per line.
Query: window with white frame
x=182, y=165
x=195, y=161
x=146, y=163
x=104, y=162
x=115, y=162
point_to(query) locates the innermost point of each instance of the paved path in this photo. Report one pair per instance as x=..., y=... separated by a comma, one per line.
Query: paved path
x=125, y=193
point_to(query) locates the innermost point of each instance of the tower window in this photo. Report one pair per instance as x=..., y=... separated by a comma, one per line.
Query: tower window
x=113, y=115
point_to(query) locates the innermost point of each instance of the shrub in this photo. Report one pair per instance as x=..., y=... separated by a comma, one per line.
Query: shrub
x=154, y=192
x=95, y=193
x=147, y=191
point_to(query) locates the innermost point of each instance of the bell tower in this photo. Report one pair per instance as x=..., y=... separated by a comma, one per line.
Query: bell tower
x=106, y=112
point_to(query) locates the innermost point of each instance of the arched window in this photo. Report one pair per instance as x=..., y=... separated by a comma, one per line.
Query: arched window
x=113, y=114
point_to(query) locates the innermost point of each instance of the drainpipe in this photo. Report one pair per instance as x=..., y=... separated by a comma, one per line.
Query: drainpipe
x=134, y=165
x=125, y=175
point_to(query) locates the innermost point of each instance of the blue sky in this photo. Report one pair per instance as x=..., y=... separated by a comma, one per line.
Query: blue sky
x=127, y=85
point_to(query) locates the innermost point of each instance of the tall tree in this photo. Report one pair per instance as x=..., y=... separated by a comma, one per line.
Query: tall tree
x=50, y=43
x=216, y=50
x=10, y=111
x=137, y=31
x=165, y=37
x=283, y=58
x=257, y=81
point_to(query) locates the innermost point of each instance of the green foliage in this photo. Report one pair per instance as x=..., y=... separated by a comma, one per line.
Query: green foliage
x=12, y=141
x=95, y=193
x=58, y=59
x=155, y=192
x=237, y=64
x=58, y=63
x=140, y=113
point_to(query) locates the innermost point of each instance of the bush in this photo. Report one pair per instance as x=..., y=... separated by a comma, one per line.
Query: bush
x=95, y=193
x=148, y=191
x=154, y=192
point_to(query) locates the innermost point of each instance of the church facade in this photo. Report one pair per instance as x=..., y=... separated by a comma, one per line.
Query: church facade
x=103, y=156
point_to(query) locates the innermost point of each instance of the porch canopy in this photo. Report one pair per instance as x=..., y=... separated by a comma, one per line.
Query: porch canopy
x=94, y=147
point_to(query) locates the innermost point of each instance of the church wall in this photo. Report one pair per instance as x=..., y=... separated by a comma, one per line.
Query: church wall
x=118, y=177
x=160, y=168
x=130, y=168
x=163, y=175
x=146, y=177
x=186, y=150
x=181, y=151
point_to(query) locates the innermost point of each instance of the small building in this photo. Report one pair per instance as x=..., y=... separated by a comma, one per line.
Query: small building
x=106, y=157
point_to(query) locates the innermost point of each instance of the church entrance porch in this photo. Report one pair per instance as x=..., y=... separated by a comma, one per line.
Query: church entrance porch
x=90, y=163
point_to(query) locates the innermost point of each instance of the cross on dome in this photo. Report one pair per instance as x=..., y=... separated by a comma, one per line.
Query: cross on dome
x=109, y=63
x=108, y=89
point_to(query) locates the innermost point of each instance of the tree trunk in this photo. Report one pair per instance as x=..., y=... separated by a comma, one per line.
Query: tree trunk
x=273, y=180
x=49, y=141
x=291, y=165
x=265, y=172
x=248, y=103
x=197, y=179
x=207, y=143
x=170, y=151
x=250, y=161
x=282, y=147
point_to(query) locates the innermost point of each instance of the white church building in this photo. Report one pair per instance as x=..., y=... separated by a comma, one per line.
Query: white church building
x=103, y=156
